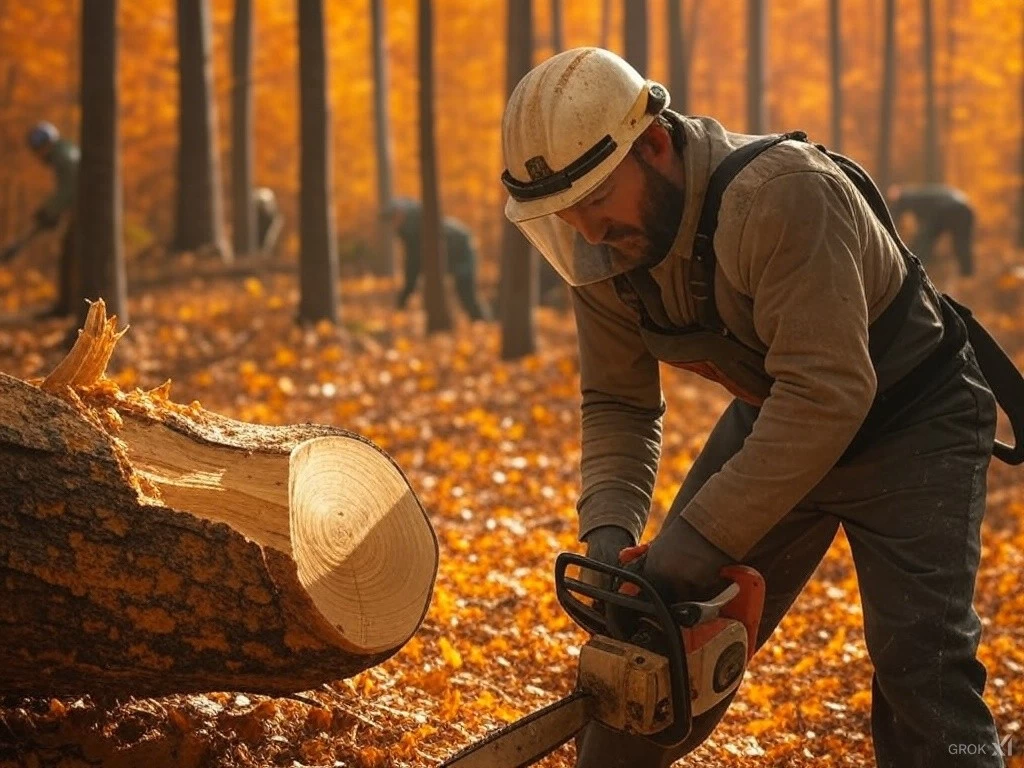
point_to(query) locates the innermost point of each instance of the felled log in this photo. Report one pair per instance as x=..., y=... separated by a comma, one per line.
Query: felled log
x=149, y=548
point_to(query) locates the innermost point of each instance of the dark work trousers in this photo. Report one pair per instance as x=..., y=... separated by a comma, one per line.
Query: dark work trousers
x=465, y=289
x=911, y=504
x=959, y=223
x=67, y=271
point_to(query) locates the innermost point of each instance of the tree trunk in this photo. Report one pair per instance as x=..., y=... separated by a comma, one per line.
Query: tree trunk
x=557, y=27
x=519, y=276
x=242, y=209
x=678, y=79
x=101, y=271
x=384, y=263
x=318, y=255
x=1020, y=217
x=836, y=39
x=757, y=49
x=200, y=217
x=194, y=552
x=636, y=35
x=888, y=98
x=551, y=289
x=949, y=100
x=606, y=23
x=932, y=160
x=690, y=37
x=433, y=252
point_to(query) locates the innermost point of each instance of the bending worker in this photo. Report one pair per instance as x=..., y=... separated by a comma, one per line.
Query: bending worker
x=407, y=220
x=766, y=265
x=62, y=156
x=937, y=209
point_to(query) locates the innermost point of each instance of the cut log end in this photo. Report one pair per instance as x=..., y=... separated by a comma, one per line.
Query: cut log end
x=364, y=550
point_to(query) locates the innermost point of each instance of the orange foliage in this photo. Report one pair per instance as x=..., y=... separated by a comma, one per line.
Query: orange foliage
x=492, y=449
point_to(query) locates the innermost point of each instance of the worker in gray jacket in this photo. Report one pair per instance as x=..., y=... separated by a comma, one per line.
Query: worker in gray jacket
x=937, y=209
x=772, y=267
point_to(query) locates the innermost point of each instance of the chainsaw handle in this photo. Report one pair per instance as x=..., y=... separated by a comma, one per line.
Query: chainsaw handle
x=647, y=603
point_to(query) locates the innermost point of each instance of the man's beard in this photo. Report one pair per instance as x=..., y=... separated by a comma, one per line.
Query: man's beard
x=661, y=212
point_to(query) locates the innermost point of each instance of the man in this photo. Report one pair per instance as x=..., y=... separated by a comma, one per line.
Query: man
x=62, y=157
x=268, y=221
x=799, y=299
x=407, y=221
x=936, y=210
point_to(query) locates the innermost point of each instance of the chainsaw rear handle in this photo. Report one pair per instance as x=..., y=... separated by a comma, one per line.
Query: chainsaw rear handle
x=647, y=604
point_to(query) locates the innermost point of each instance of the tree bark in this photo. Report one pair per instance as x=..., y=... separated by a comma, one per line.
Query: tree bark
x=757, y=49
x=101, y=270
x=435, y=298
x=888, y=98
x=384, y=264
x=932, y=158
x=318, y=255
x=678, y=75
x=200, y=215
x=635, y=32
x=519, y=274
x=836, y=39
x=194, y=552
x=242, y=208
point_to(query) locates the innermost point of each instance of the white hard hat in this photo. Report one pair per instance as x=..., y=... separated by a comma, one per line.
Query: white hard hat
x=567, y=126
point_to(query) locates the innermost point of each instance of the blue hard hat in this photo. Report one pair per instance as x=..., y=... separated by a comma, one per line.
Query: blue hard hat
x=42, y=134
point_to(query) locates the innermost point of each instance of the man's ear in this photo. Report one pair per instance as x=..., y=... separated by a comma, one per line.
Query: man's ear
x=655, y=144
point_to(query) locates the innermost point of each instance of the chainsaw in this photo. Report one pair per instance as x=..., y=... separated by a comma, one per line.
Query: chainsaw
x=677, y=662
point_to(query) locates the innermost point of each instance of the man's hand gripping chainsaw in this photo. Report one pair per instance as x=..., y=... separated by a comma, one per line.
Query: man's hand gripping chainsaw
x=678, y=662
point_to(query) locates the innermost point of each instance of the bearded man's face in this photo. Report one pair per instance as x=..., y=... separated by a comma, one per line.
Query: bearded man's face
x=635, y=212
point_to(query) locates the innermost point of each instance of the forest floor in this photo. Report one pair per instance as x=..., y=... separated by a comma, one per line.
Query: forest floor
x=492, y=450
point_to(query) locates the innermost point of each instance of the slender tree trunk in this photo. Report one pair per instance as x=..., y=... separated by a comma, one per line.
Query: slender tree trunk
x=636, y=35
x=101, y=272
x=518, y=273
x=435, y=298
x=384, y=264
x=678, y=80
x=756, y=61
x=949, y=100
x=200, y=215
x=606, y=23
x=932, y=160
x=318, y=257
x=549, y=282
x=888, y=98
x=557, y=26
x=1020, y=217
x=836, y=38
x=242, y=209
x=690, y=37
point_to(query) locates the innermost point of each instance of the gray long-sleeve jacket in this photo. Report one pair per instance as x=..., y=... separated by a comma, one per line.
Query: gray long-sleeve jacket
x=804, y=267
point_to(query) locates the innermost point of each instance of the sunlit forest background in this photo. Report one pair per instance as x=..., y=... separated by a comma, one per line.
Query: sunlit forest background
x=488, y=440
x=978, y=75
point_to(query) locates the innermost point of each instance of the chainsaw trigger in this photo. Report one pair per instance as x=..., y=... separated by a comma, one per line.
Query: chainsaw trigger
x=693, y=612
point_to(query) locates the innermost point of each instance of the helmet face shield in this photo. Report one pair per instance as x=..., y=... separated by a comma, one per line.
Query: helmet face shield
x=576, y=260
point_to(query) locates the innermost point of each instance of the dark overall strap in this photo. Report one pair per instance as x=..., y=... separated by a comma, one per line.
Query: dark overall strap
x=702, y=266
x=640, y=290
x=1002, y=375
